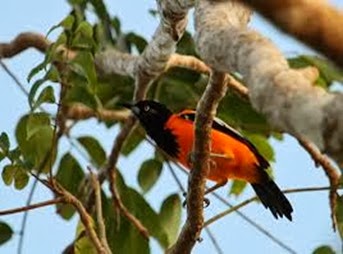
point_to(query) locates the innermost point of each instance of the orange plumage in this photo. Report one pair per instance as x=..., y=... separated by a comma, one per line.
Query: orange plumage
x=231, y=157
x=231, y=160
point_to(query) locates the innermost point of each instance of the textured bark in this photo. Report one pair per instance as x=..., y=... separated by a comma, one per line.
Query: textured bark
x=312, y=21
x=285, y=96
x=206, y=110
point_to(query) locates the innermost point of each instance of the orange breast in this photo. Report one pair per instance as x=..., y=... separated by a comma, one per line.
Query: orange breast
x=230, y=158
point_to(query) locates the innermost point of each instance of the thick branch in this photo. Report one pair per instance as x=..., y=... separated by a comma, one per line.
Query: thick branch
x=22, y=42
x=206, y=110
x=285, y=96
x=313, y=22
x=149, y=65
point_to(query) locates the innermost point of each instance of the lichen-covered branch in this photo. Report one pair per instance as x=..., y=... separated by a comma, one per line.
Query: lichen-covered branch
x=314, y=22
x=206, y=110
x=148, y=66
x=285, y=96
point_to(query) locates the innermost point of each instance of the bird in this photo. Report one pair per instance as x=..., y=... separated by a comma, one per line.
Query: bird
x=232, y=156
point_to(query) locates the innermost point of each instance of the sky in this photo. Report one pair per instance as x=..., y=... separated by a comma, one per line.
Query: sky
x=47, y=233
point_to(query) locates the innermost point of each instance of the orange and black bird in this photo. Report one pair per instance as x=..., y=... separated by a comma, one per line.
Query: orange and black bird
x=232, y=156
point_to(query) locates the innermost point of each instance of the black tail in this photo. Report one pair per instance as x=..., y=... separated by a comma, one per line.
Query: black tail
x=273, y=199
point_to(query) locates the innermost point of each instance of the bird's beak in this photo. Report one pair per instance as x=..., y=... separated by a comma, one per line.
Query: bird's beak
x=131, y=106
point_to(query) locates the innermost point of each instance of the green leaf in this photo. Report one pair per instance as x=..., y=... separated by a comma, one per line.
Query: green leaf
x=237, y=187
x=46, y=96
x=6, y=232
x=34, y=89
x=120, y=230
x=115, y=22
x=132, y=141
x=83, y=244
x=262, y=145
x=17, y=174
x=239, y=112
x=186, y=45
x=170, y=216
x=149, y=173
x=14, y=154
x=36, y=70
x=328, y=72
x=324, y=250
x=94, y=150
x=83, y=36
x=339, y=215
x=8, y=174
x=82, y=95
x=133, y=39
x=84, y=64
x=4, y=142
x=21, y=179
x=66, y=23
x=104, y=17
x=70, y=176
x=34, y=135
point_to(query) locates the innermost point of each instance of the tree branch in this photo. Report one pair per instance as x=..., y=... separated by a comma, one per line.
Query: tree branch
x=31, y=207
x=293, y=17
x=149, y=65
x=84, y=216
x=22, y=42
x=331, y=172
x=81, y=112
x=254, y=198
x=285, y=96
x=206, y=110
x=98, y=210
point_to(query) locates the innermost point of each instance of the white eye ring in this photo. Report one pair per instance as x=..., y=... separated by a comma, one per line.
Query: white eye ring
x=146, y=108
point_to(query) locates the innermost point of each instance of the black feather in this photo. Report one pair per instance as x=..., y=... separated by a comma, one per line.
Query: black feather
x=273, y=199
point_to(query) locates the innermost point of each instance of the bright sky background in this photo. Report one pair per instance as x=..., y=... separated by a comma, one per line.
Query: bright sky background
x=47, y=233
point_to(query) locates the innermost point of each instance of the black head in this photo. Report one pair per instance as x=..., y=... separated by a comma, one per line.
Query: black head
x=153, y=116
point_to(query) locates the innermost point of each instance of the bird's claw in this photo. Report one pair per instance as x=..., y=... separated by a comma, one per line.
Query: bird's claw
x=206, y=201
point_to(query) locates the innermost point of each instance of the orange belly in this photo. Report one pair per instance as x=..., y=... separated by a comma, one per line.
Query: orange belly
x=230, y=158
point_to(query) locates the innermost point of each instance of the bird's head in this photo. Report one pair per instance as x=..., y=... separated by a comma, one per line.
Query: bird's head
x=151, y=114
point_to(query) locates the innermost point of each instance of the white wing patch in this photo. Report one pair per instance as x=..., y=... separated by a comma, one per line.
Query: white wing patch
x=222, y=123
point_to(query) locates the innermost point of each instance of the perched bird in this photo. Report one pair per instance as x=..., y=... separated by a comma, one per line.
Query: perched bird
x=232, y=156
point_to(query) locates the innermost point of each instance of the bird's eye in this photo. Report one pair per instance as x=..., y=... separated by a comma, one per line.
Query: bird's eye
x=146, y=108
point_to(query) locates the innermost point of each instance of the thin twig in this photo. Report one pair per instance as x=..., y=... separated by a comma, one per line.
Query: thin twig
x=256, y=225
x=31, y=207
x=84, y=216
x=254, y=198
x=214, y=241
x=111, y=170
x=99, y=214
x=331, y=172
x=14, y=77
x=177, y=180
